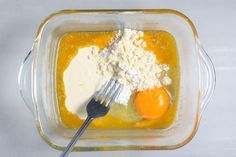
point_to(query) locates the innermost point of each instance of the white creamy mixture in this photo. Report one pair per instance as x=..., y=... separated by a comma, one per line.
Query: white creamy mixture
x=125, y=58
x=81, y=81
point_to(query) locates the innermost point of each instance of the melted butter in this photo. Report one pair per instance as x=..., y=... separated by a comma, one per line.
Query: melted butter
x=160, y=42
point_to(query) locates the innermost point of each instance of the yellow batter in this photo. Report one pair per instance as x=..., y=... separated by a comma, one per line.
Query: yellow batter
x=160, y=42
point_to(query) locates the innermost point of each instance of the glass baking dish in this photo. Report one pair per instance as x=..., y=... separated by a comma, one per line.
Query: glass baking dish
x=37, y=79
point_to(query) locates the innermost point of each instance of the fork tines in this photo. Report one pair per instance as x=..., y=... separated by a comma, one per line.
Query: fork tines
x=109, y=92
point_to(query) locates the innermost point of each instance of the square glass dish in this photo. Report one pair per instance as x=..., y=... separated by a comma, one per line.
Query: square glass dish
x=37, y=78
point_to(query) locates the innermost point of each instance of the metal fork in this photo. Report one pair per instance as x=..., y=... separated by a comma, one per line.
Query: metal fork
x=98, y=106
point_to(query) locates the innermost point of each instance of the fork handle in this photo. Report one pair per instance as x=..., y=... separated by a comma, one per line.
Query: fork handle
x=76, y=137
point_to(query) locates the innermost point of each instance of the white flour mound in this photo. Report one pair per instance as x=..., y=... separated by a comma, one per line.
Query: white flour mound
x=134, y=66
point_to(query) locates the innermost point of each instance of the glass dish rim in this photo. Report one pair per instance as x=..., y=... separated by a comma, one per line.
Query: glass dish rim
x=121, y=11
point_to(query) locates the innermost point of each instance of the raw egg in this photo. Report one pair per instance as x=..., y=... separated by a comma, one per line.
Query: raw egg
x=152, y=103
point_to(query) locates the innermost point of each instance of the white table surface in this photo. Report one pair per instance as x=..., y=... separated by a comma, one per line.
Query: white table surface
x=216, y=24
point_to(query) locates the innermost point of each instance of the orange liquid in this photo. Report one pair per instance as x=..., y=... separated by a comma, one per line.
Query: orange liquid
x=160, y=42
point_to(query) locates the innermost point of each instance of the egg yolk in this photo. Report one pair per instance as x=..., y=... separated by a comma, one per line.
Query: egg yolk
x=152, y=103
